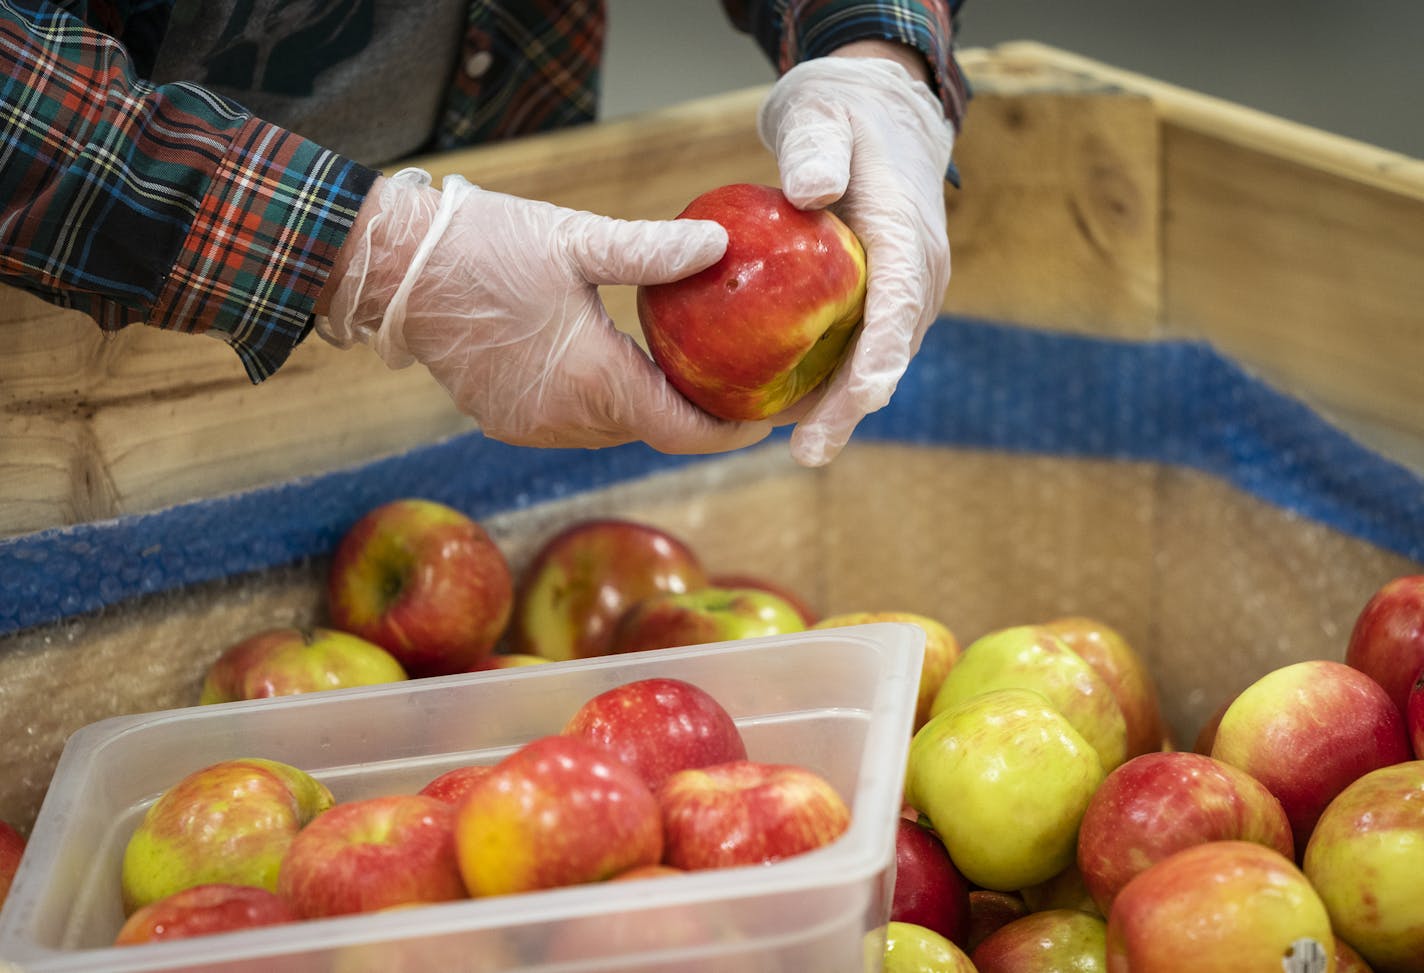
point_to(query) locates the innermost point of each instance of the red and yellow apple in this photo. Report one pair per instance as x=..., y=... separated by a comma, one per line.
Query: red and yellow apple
x=425, y=582
x=929, y=891
x=1048, y=941
x=12, y=847
x=1387, y=640
x=803, y=607
x=708, y=614
x=452, y=785
x=583, y=578
x=941, y=650
x=752, y=334
x=658, y=726
x=1123, y=669
x=204, y=910
x=286, y=661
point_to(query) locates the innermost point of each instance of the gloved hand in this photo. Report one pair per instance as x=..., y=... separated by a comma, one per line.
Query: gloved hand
x=862, y=136
x=497, y=296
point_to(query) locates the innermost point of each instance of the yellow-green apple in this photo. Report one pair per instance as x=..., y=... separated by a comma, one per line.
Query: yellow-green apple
x=1306, y=730
x=204, y=910
x=12, y=847
x=990, y=910
x=1414, y=717
x=659, y=726
x=1387, y=640
x=1050, y=941
x=452, y=785
x=750, y=335
x=1159, y=803
x=371, y=854
x=580, y=580
x=558, y=811
x=1123, y=669
x=941, y=650
x=425, y=582
x=1366, y=858
x=929, y=891
x=912, y=948
x=1032, y=657
x=230, y=822
x=708, y=614
x=747, y=812
x=1219, y=907
x=803, y=607
x=1004, y=779
x=286, y=661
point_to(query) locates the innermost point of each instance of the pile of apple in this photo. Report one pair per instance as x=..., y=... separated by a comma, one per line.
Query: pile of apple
x=650, y=778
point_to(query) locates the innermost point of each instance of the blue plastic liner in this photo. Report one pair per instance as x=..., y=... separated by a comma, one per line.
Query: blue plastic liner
x=974, y=384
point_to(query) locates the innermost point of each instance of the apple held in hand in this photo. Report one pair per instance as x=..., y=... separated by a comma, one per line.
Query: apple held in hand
x=1051, y=941
x=228, y=823
x=670, y=619
x=1220, y=907
x=929, y=891
x=911, y=948
x=287, y=661
x=1159, y=803
x=204, y=910
x=12, y=847
x=1308, y=729
x=941, y=650
x=747, y=813
x=1387, y=641
x=425, y=582
x=753, y=333
x=582, y=579
x=558, y=811
x=1366, y=859
x=659, y=726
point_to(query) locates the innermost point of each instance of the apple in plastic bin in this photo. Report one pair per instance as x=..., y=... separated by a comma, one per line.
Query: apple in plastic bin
x=558, y=811
x=1004, y=779
x=580, y=580
x=1050, y=941
x=753, y=333
x=204, y=910
x=911, y=948
x=12, y=848
x=941, y=650
x=747, y=812
x=929, y=891
x=1123, y=669
x=1220, y=907
x=1387, y=640
x=231, y=822
x=670, y=619
x=1159, y=803
x=452, y=785
x=1366, y=859
x=425, y=582
x=1306, y=730
x=287, y=661
x=659, y=726
x=1032, y=657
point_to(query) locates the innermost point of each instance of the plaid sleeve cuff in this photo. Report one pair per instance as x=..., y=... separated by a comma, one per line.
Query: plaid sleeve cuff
x=260, y=247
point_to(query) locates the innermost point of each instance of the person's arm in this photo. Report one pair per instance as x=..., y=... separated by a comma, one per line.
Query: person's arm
x=164, y=205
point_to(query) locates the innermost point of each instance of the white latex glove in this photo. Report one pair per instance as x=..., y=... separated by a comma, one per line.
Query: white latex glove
x=862, y=136
x=498, y=297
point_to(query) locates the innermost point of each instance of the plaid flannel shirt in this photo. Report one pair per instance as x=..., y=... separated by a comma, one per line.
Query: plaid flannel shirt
x=171, y=206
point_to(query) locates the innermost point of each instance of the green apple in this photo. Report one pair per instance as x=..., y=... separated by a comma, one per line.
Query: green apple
x=910, y=948
x=286, y=661
x=1032, y=657
x=230, y=822
x=1004, y=779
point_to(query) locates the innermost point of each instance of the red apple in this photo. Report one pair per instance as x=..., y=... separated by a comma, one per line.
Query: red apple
x=708, y=614
x=1206, y=734
x=1348, y=960
x=204, y=910
x=753, y=333
x=229, y=823
x=425, y=582
x=1387, y=641
x=941, y=650
x=1109, y=653
x=12, y=846
x=287, y=661
x=452, y=786
x=1219, y=907
x=747, y=813
x=659, y=726
x=1159, y=803
x=558, y=811
x=371, y=854
x=1051, y=941
x=583, y=578
x=803, y=608
x=911, y=948
x=1414, y=717
x=1366, y=858
x=990, y=910
x=929, y=891
x=1308, y=729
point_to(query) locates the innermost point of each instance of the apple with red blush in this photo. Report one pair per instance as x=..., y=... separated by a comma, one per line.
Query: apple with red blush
x=929, y=891
x=1046, y=941
x=204, y=910
x=1387, y=640
x=707, y=614
x=12, y=848
x=1414, y=717
x=288, y=660
x=452, y=785
x=1125, y=671
x=941, y=650
x=809, y=616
